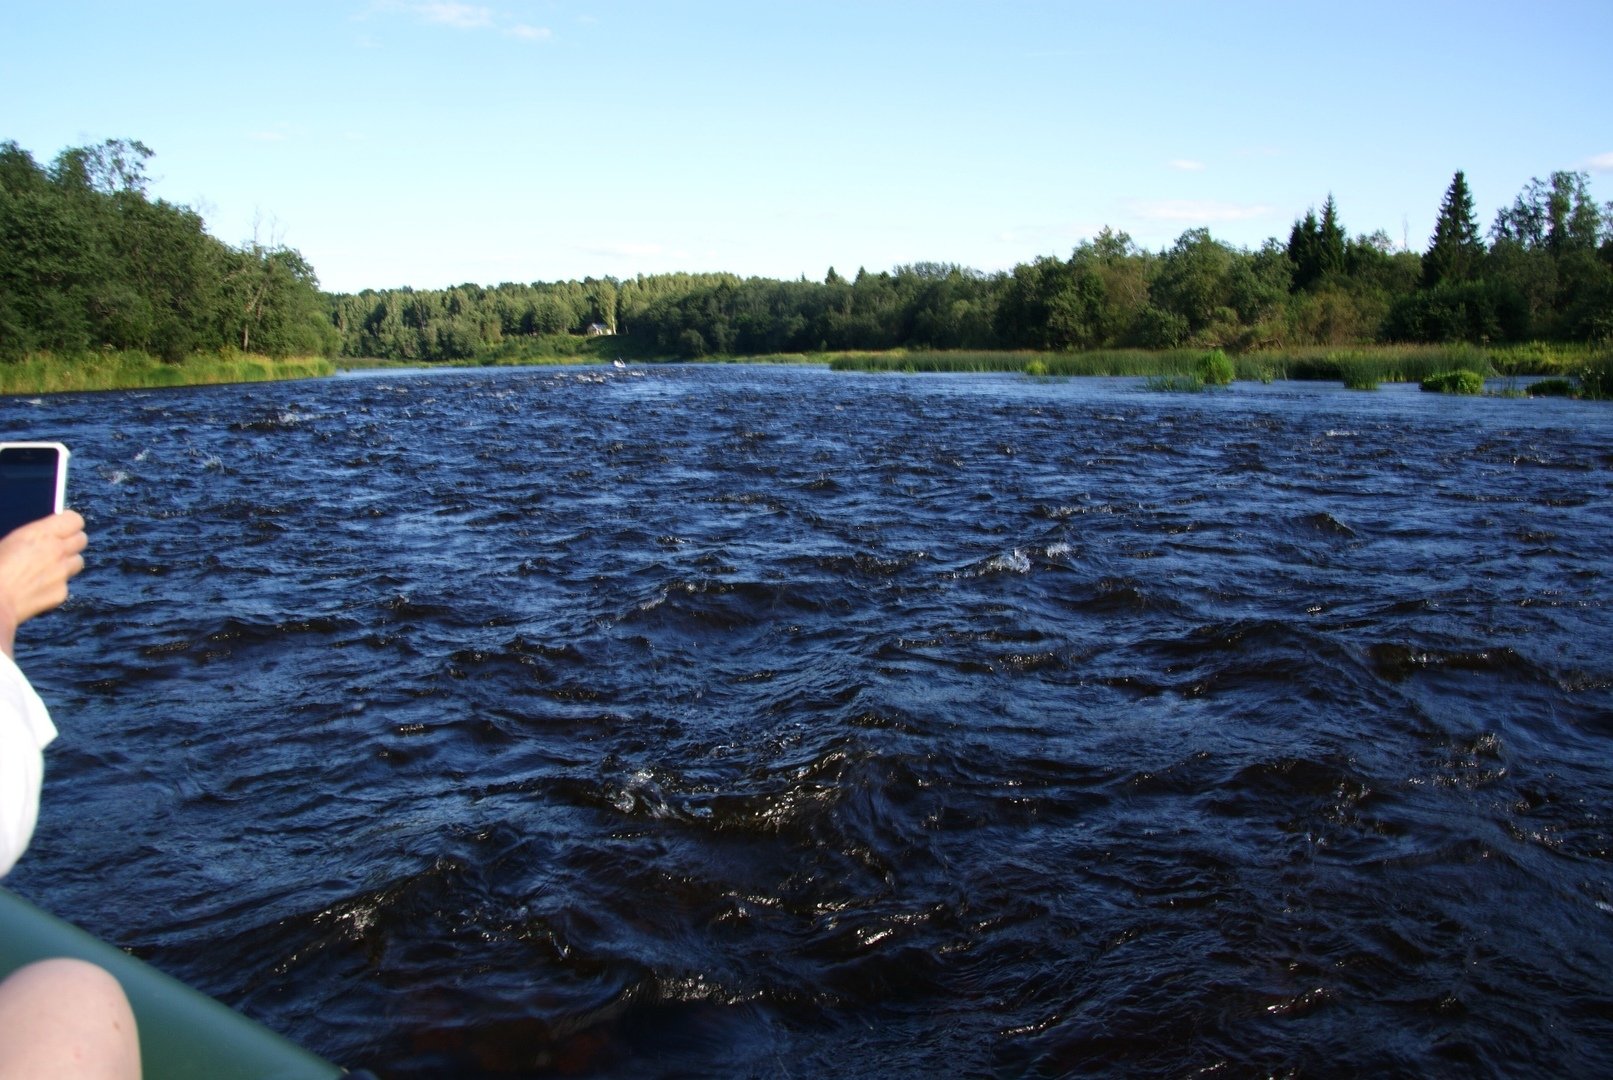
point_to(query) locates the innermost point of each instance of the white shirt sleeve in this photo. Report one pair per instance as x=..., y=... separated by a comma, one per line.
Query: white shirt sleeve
x=25, y=730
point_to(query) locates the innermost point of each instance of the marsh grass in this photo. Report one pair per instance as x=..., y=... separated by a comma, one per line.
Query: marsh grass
x=1214, y=369
x=1175, y=384
x=1172, y=369
x=1357, y=372
x=1540, y=358
x=1596, y=377
x=46, y=373
x=1365, y=366
x=1552, y=388
x=1136, y=363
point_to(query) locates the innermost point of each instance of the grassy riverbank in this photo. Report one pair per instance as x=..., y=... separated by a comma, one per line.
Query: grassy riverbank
x=1587, y=370
x=47, y=373
x=1388, y=363
x=540, y=350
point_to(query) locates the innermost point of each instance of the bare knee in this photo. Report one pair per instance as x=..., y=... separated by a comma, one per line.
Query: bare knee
x=66, y=1018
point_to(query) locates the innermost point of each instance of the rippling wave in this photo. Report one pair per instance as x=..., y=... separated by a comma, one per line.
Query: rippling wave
x=741, y=722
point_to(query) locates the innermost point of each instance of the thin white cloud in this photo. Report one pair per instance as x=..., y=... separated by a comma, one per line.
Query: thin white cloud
x=459, y=16
x=1196, y=210
x=529, y=33
x=1602, y=163
x=1186, y=165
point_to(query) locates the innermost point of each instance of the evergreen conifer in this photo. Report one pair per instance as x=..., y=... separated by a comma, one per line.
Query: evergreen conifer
x=1304, y=250
x=1455, y=253
x=1330, y=240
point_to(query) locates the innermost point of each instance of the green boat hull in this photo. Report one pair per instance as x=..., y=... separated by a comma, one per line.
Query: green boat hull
x=183, y=1034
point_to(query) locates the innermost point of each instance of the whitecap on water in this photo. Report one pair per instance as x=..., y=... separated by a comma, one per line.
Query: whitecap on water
x=1015, y=562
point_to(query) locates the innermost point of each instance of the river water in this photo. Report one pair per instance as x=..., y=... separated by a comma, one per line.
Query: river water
x=731, y=722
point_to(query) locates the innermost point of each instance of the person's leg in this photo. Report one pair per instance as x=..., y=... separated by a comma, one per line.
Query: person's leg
x=66, y=1018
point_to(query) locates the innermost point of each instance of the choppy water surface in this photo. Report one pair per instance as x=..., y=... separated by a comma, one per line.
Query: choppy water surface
x=753, y=722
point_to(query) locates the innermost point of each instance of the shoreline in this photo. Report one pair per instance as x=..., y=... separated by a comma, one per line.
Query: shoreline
x=44, y=373
x=130, y=370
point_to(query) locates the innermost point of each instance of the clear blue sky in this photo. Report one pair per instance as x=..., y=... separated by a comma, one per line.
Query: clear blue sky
x=428, y=144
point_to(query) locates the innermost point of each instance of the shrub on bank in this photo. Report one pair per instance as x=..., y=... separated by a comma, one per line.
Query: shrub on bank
x=1214, y=369
x=1454, y=382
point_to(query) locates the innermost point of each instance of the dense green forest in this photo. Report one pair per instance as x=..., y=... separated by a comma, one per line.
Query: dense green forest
x=89, y=263
x=92, y=264
x=1546, y=273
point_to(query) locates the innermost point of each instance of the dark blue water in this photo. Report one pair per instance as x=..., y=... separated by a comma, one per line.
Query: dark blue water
x=771, y=722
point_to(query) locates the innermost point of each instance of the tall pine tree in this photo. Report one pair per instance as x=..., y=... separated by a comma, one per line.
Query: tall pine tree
x=1330, y=240
x=1304, y=250
x=1316, y=248
x=1455, y=253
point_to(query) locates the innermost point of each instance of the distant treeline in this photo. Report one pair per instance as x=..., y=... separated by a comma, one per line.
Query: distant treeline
x=1546, y=273
x=90, y=264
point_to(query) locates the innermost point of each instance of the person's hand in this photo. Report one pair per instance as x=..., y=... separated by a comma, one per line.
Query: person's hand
x=36, y=562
